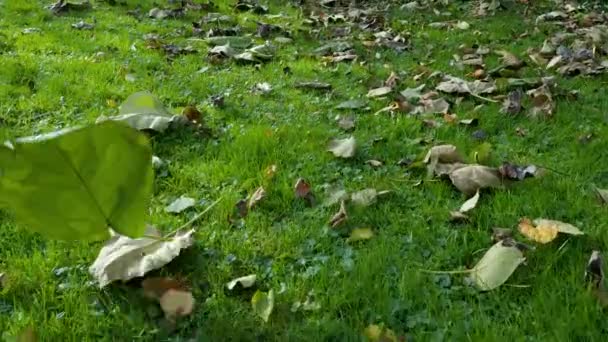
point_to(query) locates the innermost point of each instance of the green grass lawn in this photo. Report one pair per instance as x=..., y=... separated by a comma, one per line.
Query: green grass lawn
x=57, y=76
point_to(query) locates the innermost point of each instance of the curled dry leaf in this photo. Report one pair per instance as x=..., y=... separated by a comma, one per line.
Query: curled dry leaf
x=594, y=272
x=245, y=282
x=340, y=217
x=176, y=303
x=123, y=258
x=469, y=179
x=256, y=197
x=263, y=304
x=359, y=234
x=541, y=234
x=470, y=204
x=561, y=227
x=451, y=84
x=377, y=92
x=542, y=102
x=343, y=148
x=497, y=265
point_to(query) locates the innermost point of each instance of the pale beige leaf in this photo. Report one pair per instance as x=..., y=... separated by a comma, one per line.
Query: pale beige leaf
x=443, y=154
x=377, y=92
x=244, y=282
x=263, y=304
x=470, y=203
x=561, y=227
x=123, y=258
x=343, y=148
x=602, y=194
x=364, y=197
x=497, y=265
x=177, y=303
x=471, y=178
x=256, y=197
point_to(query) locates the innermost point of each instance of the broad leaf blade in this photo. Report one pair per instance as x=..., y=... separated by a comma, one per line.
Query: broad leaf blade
x=497, y=265
x=78, y=183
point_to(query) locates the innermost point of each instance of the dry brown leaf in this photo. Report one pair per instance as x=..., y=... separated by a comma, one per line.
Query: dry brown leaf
x=512, y=104
x=542, y=102
x=303, y=190
x=340, y=217
x=560, y=226
x=544, y=234
x=469, y=179
x=443, y=154
x=509, y=60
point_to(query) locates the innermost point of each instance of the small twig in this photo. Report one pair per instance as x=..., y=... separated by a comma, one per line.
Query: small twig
x=194, y=219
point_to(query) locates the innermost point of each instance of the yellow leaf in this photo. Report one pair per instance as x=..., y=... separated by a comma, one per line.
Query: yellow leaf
x=559, y=226
x=263, y=303
x=377, y=333
x=359, y=234
x=541, y=233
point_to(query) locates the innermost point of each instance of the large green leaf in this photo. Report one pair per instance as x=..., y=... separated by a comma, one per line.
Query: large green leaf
x=76, y=183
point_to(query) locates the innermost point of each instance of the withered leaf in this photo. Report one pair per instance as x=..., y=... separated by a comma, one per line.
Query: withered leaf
x=542, y=102
x=516, y=172
x=303, y=190
x=340, y=217
x=469, y=179
x=512, y=104
x=509, y=60
x=256, y=197
x=377, y=92
x=343, y=148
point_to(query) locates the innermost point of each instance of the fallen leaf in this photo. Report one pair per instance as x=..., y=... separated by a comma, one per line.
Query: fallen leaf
x=303, y=190
x=263, y=304
x=512, y=104
x=392, y=80
x=351, y=104
x=602, y=194
x=541, y=234
x=81, y=25
x=256, y=197
x=262, y=88
x=413, y=93
x=462, y=25
x=143, y=111
x=542, y=102
x=123, y=258
x=516, y=172
x=456, y=216
x=346, y=123
x=367, y=197
x=242, y=208
x=451, y=84
x=335, y=195
x=441, y=160
x=359, y=234
x=156, y=287
x=379, y=333
x=374, y=163
x=180, y=204
x=340, y=217
x=177, y=303
x=501, y=234
x=497, y=265
x=62, y=6
x=470, y=204
x=238, y=42
x=471, y=178
x=510, y=61
x=377, y=92
x=2, y=280
x=343, y=148
x=561, y=227
x=313, y=85
x=594, y=271
x=243, y=282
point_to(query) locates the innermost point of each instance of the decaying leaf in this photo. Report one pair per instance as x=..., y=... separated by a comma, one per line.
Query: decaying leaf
x=238, y=42
x=359, y=234
x=445, y=154
x=303, y=190
x=497, y=265
x=469, y=179
x=413, y=93
x=451, y=84
x=379, y=333
x=256, y=197
x=351, y=104
x=346, y=122
x=123, y=258
x=470, y=204
x=542, y=102
x=180, y=204
x=516, y=172
x=367, y=197
x=541, y=234
x=501, y=234
x=509, y=60
x=335, y=195
x=340, y=217
x=243, y=282
x=177, y=303
x=263, y=304
x=594, y=272
x=343, y=148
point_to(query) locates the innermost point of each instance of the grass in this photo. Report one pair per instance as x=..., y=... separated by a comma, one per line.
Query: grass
x=61, y=77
